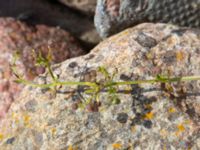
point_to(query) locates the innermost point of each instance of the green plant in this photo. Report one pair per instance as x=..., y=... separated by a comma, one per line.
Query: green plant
x=92, y=89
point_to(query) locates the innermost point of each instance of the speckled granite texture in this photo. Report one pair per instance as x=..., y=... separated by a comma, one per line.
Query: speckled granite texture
x=149, y=118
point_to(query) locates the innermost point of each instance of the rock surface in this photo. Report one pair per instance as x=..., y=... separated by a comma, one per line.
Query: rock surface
x=87, y=6
x=113, y=16
x=146, y=118
x=19, y=37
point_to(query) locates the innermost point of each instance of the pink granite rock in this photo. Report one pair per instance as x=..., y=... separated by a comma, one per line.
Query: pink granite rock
x=19, y=37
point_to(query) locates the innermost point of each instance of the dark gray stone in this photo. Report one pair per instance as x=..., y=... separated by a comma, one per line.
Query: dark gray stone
x=113, y=16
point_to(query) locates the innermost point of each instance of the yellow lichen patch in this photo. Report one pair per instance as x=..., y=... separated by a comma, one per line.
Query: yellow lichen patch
x=180, y=128
x=171, y=110
x=27, y=119
x=53, y=131
x=117, y=146
x=70, y=147
x=179, y=56
x=1, y=136
x=149, y=115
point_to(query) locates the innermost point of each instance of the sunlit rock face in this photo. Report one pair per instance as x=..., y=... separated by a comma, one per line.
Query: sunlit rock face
x=150, y=116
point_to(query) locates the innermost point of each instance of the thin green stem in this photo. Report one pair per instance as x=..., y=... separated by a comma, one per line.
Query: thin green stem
x=163, y=80
x=56, y=83
x=25, y=82
x=94, y=85
x=50, y=71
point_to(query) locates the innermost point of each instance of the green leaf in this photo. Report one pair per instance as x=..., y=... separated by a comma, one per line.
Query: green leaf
x=90, y=91
x=18, y=81
x=41, y=61
x=112, y=90
x=161, y=78
x=104, y=71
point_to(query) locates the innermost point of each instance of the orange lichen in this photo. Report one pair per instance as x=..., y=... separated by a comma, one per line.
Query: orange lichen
x=116, y=146
x=70, y=147
x=27, y=118
x=172, y=110
x=149, y=115
x=180, y=128
x=179, y=56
